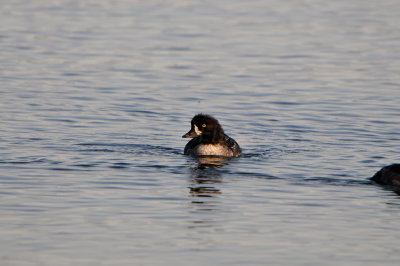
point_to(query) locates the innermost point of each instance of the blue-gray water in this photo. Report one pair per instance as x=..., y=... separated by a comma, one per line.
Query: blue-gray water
x=95, y=96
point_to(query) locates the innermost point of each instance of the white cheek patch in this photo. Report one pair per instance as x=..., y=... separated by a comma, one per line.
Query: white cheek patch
x=197, y=130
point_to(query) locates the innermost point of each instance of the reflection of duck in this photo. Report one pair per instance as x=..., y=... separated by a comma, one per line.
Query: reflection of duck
x=388, y=175
x=205, y=186
x=211, y=162
x=209, y=139
x=205, y=191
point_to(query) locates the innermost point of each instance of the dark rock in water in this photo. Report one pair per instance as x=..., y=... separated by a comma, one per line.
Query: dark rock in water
x=388, y=175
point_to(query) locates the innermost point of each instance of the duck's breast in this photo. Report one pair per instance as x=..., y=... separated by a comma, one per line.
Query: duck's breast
x=212, y=150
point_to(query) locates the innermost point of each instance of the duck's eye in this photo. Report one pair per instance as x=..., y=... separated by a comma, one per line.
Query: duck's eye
x=203, y=125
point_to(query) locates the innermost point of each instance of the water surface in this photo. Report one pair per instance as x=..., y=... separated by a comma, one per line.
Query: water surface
x=94, y=99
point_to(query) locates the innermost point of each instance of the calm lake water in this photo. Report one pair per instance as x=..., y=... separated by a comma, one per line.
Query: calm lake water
x=95, y=96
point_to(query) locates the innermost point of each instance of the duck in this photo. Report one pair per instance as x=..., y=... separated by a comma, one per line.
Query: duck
x=388, y=175
x=209, y=139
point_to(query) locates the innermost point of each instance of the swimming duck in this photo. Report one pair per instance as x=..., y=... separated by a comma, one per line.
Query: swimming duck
x=388, y=175
x=209, y=139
